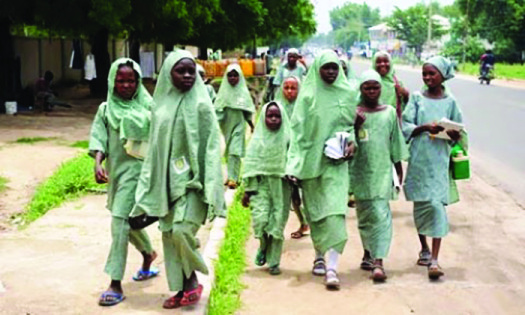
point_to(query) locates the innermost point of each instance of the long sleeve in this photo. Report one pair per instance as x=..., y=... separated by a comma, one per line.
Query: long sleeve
x=99, y=133
x=409, y=117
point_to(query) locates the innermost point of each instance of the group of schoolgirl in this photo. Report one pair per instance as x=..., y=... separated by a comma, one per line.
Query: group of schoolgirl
x=178, y=177
x=380, y=118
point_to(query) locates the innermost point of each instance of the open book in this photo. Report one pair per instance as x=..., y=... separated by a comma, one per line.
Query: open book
x=335, y=147
x=448, y=125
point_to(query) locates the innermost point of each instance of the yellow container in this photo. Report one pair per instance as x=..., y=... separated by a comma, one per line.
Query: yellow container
x=247, y=67
x=209, y=67
x=220, y=67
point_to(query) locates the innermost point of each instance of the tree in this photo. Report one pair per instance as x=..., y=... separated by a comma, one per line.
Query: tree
x=500, y=21
x=412, y=25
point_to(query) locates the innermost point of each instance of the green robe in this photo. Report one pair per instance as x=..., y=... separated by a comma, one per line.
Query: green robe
x=322, y=110
x=284, y=72
x=388, y=83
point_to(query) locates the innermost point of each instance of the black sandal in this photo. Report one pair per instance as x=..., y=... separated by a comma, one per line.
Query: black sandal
x=319, y=268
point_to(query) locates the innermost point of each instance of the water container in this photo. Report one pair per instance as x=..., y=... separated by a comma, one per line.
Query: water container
x=260, y=67
x=247, y=67
x=220, y=67
x=10, y=108
x=460, y=166
x=209, y=66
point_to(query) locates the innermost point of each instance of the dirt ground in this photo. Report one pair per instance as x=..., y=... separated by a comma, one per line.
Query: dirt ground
x=483, y=258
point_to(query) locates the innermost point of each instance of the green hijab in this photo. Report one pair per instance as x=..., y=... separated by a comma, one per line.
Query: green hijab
x=235, y=97
x=288, y=106
x=388, y=84
x=321, y=110
x=130, y=117
x=189, y=118
x=266, y=153
x=443, y=65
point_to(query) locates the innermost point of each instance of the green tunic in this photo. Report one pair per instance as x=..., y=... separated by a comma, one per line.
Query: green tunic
x=284, y=72
x=322, y=110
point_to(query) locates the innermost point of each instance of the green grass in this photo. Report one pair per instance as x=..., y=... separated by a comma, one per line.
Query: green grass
x=3, y=183
x=225, y=294
x=502, y=71
x=83, y=144
x=34, y=139
x=72, y=179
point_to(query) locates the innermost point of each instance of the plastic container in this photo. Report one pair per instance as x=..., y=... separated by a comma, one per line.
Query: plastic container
x=10, y=108
x=259, y=67
x=247, y=67
x=460, y=166
x=209, y=67
x=220, y=67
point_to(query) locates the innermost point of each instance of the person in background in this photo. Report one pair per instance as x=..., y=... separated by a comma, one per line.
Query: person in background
x=290, y=67
x=207, y=82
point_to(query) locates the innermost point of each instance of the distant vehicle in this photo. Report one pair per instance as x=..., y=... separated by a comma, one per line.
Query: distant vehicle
x=487, y=74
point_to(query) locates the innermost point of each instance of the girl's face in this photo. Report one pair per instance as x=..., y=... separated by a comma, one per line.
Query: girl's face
x=290, y=89
x=371, y=91
x=431, y=76
x=292, y=59
x=125, y=82
x=233, y=77
x=273, y=118
x=329, y=72
x=383, y=65
x=183, y=74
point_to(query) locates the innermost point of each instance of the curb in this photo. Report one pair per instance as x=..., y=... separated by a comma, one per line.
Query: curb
x=210, y=254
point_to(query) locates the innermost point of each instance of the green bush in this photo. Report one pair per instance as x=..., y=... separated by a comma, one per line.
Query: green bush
x=229, y=267
x=3, y=183
x=72, y=179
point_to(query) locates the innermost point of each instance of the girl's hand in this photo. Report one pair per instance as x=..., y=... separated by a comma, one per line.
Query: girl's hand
x=434, y=129
x=101, y=176
x=350, y=150
x=246, y=200
x=454, y=135
x=359, y=120
x=292, y=179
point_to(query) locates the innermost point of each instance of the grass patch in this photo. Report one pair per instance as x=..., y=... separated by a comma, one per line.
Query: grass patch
x=226, y=292
x=3, y=183
x=72, y=179
x=83, y=144
x=32, y=140
x=502, y=71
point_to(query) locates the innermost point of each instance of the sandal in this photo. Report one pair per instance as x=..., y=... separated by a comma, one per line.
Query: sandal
x=231, y=184
x=110, y=298
x=172, y=302
x=331, y=281
x=367, y=263
x=435, y=272
x=192, y=297
x=378, y=276
x=142, y=275
x=260, y=259
x=301, y=232
x=274, y=270
x=319, y=268
x=425, y=258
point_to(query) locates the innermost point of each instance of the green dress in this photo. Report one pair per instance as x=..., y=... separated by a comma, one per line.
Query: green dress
x=234, y=107
x=181, y=180
x=116, y=122
x=265, y=164
x=381, y=144
x=320, y=112
x=284, y=72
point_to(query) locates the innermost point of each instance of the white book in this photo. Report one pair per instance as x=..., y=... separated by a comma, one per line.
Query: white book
x=448, y=125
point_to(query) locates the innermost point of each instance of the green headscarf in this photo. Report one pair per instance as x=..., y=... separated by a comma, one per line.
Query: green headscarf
x=321, y=110
x=350, y=73
x=388, y=84
x=443, y=65
x=235, y=97
x=186, y=153
x=369, y=75
x=130, y=117
x=266, y=153
x=288, y=106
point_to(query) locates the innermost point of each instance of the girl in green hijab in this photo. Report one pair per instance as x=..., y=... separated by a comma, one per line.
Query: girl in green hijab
x=122, y=122
x=381, y=144
x=266, y=190
x=428, y=183
x=181, y=180
x=209, y=87
x=392, y=93
x=234, y=107
x=326, y=105
x=350, y=74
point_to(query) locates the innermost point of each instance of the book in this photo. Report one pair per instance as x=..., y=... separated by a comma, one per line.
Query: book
x=448, y=125
x=335, y=147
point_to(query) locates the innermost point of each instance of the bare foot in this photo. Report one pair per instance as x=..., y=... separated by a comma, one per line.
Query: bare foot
x=303, y=229
x=148, y=260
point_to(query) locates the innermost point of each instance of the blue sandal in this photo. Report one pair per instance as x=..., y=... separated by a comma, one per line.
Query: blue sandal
x=110, y=298
x=142, y=275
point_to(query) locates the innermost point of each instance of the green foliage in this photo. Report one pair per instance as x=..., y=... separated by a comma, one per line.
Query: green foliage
x=502, y=71
x=350, y=23
x=473, y=49
x=225, y=294
x=412, y=24
x=500, y=21
x=32, y=140
x=72, y=179
x=83, y=144
x=3, y=183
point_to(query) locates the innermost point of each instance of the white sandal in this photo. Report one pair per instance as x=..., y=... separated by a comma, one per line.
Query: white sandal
x=331, y=280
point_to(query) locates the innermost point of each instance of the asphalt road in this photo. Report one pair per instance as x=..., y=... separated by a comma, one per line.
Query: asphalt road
x=495, y=119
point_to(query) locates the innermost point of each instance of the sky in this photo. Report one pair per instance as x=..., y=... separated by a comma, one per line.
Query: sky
x=323, y=7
